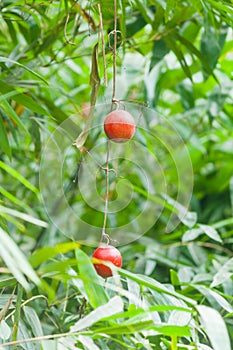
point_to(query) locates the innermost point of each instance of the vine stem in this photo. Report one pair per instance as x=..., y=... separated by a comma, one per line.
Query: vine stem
x=104, y=235
x=106, y=193
x=114, y=51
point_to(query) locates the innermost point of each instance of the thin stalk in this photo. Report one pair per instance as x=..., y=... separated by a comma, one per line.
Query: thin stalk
x=174, y=342
x=17, y=314
x=114, y=51
x=107, y=191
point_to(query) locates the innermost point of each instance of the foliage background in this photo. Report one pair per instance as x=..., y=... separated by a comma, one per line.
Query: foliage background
x=175, y=289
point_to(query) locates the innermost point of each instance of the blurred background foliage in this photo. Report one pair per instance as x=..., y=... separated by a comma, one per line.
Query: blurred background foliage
x=176, y=288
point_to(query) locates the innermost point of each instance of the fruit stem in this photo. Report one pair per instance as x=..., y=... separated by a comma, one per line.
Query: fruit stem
x=107, y=193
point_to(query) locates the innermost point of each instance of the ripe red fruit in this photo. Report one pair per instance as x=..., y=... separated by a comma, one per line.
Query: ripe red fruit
x=107, y=253
x=119, y=126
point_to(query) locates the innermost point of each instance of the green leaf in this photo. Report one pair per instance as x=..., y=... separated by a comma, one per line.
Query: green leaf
x=8, y=60
x=47, y=253
x=154, y=285
x=23, y=99
x=16, y=261
x=144, y=12
x=211, y=45
x=10, y=111
x=95, y=292
x=113, y=306
x=17, y=312
x=5, y=330
x=131, y=328
x=18, y=177
x=214, y=297
x=186, y=92
x=4, y=143
x=210, y=231
x=88, y=343
x=160, y=50
x=223, y=274
x=23, y=216
x=14, y=199
x=33, y=320
x=214, y=327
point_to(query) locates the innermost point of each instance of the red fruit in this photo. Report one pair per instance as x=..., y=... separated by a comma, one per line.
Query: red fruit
x=107, y=253
x=119, y=126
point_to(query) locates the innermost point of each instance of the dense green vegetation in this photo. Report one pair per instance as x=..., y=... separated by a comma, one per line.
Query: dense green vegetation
x=170, y=188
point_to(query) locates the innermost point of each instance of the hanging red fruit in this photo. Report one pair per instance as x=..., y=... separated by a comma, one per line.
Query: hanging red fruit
x=119, y=126
x=107, y=253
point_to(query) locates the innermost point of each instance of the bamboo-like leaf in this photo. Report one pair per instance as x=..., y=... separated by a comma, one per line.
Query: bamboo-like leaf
x=17, y=312
x=131, y=328
x=46, y=253
x=155, y=285
x=8, y=60
x=113, y=306
x=214, y=327
x=95, y=292
x=16, y=261
x=4, y=142
x=23, y=99
x=14, y=199
x=10, y=111
x=23, y=216
x=18, y=176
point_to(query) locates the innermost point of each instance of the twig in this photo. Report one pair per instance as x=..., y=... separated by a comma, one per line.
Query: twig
x=65, y=31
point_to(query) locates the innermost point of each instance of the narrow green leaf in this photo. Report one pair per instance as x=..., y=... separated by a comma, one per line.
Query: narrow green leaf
x=16, y=261
x=214, y=327
x=17, y=312
x=113, y=306
x=10, y=111
x=9, y=95
x=23, y=99
x=160, y=50
x=155, y=285
x=213, y=296
x=5, y=330
x=23, y=216
x=223, y=274
x=18, y=176
x=4, y=143
x=46, y=253
x=210, y=231
x=33, y=320
x=144, y=11
x=8, y=60
x=131, y=328
x=95, y=292
x=144, y=313
x=14, y=199
x=7, y=282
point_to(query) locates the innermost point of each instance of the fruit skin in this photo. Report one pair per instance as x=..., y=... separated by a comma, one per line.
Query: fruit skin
x=107, y=253
x=119, y=126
